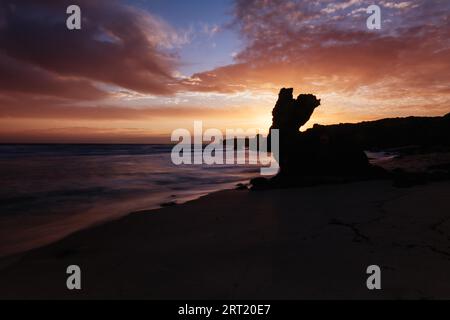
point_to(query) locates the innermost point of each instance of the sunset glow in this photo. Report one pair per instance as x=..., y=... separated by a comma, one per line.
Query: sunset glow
x=140, y=69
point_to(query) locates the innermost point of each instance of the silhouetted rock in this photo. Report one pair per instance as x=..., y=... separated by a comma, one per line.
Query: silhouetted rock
x=241, y=186
x=392, y=133
x=335, y=154
x=289, y=114
x=306, y=157
x=168, y=204
x=260, y=183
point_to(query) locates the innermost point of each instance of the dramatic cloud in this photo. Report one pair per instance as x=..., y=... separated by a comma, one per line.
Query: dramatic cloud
x=117, y=45
x=325, y=47
x=122, y=69
x=21, y=78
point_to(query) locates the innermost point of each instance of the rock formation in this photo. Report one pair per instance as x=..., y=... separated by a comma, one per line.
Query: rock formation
x=314, y=155
x=335, y=153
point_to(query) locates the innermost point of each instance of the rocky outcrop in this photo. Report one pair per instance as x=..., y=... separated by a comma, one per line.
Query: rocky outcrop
x=391, y=133
x=333, y=154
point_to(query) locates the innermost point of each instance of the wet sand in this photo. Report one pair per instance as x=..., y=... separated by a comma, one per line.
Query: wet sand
x=310, y=243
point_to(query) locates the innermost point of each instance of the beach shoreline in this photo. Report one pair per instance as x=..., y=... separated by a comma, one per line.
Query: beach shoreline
x=308, y=243
x=11, y=259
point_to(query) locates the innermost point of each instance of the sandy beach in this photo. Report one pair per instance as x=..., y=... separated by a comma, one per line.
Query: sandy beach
x=309, y=243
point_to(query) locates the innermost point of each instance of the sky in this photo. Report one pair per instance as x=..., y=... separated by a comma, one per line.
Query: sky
x=139, y=69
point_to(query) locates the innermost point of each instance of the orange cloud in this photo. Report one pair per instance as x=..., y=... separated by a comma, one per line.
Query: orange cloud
x=54, y=81
x=324, y=48
x=117, y=45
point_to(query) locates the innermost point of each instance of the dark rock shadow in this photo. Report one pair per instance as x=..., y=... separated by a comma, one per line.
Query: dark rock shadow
x=335, y=154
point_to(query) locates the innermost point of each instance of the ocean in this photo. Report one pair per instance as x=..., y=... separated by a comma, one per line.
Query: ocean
x=50, y=191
